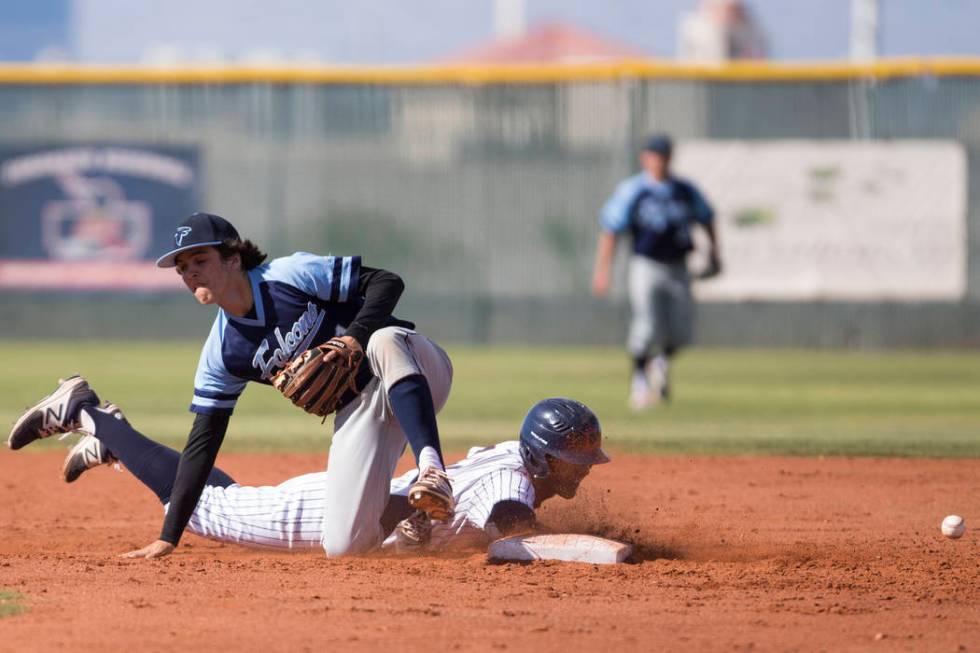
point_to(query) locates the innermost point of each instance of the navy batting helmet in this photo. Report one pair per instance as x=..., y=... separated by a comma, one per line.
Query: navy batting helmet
x=564, y=429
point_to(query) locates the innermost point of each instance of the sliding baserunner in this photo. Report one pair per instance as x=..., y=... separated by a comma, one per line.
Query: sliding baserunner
x=496, y=488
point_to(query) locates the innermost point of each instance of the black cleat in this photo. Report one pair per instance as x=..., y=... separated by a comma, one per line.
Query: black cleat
x=57, y=413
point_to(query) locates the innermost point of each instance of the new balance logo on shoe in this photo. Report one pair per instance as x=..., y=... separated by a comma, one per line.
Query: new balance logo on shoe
x=51, y=416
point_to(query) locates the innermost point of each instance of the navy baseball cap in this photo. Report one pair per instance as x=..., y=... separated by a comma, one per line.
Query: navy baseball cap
x=199, y=230
x=660, y=144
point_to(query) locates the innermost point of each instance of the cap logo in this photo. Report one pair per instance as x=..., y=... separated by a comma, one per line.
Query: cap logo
x=181, y=233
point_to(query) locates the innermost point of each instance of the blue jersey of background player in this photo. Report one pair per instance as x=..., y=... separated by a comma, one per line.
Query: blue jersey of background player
x=659, y=212
x=657, y=209
x=269, y=313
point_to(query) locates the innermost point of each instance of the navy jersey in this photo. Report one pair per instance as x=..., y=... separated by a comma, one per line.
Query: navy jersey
x=657, y=214
x=301, y=301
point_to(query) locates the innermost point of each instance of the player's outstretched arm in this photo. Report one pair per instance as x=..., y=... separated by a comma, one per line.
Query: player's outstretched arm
x=714, y=256
x=704, y=215
x=605, y=250
x=196, y=463
x=510, y=517
x=156, y=549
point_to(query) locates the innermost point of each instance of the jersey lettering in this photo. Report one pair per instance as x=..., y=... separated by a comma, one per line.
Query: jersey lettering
x=296, y=339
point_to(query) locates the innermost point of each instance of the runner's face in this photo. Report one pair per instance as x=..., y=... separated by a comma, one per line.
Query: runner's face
x=206, y=274
x=565, y=477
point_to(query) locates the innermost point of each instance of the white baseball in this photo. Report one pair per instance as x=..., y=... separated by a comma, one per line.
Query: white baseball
x=953, y=526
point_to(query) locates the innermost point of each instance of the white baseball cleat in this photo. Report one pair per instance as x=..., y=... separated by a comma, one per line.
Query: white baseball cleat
x=659, y=373
x=90, y=452
x=55, y=414
x=640, y=396
x=433, y=494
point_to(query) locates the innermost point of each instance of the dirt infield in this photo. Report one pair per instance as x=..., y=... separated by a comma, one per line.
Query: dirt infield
x=732, y=554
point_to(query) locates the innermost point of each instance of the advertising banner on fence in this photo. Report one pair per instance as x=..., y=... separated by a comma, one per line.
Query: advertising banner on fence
x=813, y=220
x=92, y=217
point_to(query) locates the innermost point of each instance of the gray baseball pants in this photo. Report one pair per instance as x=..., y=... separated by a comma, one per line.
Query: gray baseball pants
x=368, y=440
x=661, y=305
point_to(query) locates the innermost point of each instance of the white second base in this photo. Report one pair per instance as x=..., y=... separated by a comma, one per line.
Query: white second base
x=566, y=546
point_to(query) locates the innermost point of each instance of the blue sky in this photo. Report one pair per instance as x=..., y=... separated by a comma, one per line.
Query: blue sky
x=400, y=31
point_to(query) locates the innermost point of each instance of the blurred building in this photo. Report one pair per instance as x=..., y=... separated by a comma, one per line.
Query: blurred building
x=553, y=42
x=519, y=122
x=721, y=30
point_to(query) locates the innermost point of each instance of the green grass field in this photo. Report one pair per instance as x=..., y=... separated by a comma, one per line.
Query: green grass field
x=11, y=603
x=726, y=401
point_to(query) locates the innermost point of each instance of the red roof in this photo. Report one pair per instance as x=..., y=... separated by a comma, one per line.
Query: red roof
x=550, y=43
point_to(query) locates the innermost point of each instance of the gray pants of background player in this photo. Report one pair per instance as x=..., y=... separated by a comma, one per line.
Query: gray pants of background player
x=368, y=441
x=661, y=304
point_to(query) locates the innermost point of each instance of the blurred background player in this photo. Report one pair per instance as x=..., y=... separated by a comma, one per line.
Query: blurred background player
x=497, y=488
x=658, y=211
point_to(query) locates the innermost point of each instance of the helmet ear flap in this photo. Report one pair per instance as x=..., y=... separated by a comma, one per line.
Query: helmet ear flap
x=537, y=465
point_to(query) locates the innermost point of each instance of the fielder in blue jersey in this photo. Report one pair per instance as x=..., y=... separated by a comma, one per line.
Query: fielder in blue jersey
x=269, y=313
x=657, y=212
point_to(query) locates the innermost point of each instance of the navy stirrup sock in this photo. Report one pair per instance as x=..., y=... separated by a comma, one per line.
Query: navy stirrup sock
x=154, y=464
x=411, y=400
x=640, y=363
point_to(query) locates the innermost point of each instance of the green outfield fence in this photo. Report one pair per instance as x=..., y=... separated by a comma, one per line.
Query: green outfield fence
x=481, y=185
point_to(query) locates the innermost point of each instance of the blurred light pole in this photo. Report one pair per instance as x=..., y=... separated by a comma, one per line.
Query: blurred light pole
x=509, y=19
x=864, y=30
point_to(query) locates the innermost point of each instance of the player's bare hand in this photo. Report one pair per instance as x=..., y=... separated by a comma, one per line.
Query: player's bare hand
x=157, y=549
x=353, y=344
x=713, y=268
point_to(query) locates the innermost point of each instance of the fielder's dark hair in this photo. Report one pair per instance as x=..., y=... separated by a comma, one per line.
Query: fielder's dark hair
x=252, y=256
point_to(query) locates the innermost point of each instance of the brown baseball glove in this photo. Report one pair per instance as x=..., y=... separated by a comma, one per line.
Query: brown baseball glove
x=317, y=379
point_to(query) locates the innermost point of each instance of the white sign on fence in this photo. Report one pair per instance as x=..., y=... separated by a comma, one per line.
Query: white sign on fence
x=805, y=220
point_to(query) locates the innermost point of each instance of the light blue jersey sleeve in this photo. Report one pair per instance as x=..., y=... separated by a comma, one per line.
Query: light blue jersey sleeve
x=615, y=215
x=216, y=390
x=330, y=278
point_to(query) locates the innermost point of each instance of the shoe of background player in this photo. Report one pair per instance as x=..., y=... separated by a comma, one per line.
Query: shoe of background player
x=57, y=413
x=659, y=373
x=89, y=452
x=412, y=533
x=433, y=494
x=640, y=395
